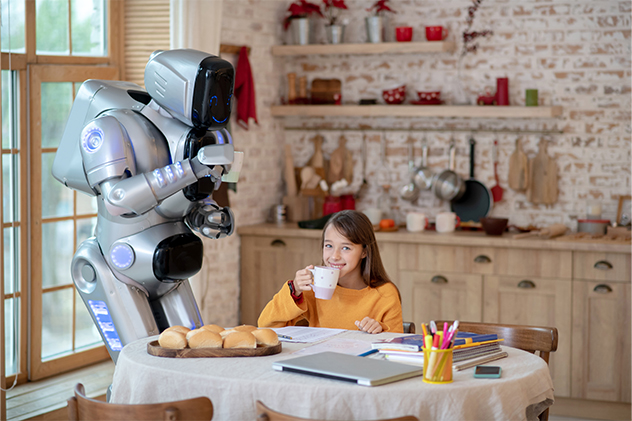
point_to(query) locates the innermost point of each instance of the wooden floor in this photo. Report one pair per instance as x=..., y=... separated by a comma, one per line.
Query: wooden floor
x=46, y=399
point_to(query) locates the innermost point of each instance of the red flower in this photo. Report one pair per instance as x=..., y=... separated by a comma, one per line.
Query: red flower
x=380, y=6
x=331, y=7
x=300, y=9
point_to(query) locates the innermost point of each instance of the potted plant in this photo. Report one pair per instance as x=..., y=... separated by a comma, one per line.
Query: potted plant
x=335, y=28
x=298, y=17
x=374, y=26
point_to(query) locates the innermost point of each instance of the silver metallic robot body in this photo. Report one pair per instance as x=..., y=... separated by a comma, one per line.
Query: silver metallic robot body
x=151, y=158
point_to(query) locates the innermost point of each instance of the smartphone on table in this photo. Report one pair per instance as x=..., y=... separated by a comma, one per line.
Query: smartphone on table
x=487, y=372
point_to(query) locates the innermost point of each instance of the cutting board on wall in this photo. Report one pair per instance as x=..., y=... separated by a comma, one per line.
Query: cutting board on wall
x=518, y=169
x=542, y=187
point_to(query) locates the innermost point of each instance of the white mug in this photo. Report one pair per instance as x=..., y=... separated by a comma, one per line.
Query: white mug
x=416, y=222
x=325, y=281
x=447, y=222
x=374, y=215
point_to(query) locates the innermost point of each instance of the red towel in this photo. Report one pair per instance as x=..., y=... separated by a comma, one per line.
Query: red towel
x=245, y=91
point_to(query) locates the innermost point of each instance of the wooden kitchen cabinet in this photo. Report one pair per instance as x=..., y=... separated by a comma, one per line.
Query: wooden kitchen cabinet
x=535, y=302
x=601, y=341
x=268, y=262
x=440, y=296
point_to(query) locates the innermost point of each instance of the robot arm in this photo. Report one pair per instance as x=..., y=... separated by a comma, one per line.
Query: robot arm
x=110, y=167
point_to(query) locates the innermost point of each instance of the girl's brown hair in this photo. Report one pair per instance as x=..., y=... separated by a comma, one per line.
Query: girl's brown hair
x=357, y=228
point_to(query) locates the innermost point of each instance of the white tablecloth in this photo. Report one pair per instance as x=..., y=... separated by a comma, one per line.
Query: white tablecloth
x=234, y=384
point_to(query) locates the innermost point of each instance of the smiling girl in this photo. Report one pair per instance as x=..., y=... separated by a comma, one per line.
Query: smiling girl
x=365, y=297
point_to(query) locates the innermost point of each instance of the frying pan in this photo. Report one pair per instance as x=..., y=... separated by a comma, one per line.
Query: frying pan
x=477, y=200
x=448, y=185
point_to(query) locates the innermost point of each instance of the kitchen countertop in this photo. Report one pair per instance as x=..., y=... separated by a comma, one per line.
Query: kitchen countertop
x=461, y=238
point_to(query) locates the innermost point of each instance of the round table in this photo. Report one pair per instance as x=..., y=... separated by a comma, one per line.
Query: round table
x=235, y=384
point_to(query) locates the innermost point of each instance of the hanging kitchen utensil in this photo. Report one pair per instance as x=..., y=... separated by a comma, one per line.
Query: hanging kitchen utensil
x=543, y=181
x=477, y=200
x=518, y=178
x=423, y=176
x=449, y=185
x=497, y=191
x=363, y=154
x=409, y=191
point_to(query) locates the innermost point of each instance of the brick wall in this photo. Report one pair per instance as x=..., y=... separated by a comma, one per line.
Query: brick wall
x=576, y=53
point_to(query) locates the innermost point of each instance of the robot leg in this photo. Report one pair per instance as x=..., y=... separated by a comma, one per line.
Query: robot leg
x=177, y=307
x=121, y=312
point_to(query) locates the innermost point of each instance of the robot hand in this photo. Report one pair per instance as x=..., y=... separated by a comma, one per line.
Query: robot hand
x=211, y=220
x=213, y=160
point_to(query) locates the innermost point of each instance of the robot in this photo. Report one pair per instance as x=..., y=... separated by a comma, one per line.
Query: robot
x=152, y=158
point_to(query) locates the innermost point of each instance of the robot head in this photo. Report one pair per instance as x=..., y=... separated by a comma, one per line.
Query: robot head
x=193, y=86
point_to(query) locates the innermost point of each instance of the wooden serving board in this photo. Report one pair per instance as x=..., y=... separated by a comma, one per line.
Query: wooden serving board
x=156, y=350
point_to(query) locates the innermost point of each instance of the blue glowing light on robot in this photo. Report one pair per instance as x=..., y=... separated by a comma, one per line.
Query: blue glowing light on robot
x=122, y=256
x=161, y=180
x=220, y=138
x=170, y=175
x=106, y=325
x=92, y=139
x=179, y=169
x=220, y=121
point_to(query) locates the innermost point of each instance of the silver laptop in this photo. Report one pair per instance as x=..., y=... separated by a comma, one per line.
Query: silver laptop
x=361, y=370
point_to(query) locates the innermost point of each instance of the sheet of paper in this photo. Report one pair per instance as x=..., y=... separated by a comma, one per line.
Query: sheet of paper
x=341, y=345
x=305, y=334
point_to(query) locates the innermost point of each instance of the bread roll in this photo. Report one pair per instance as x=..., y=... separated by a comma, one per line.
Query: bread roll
x=226, y=332
x=205, y=339
x=240, y=340
x=193, y=332
x=213, y=328
x=172, y=339
x=266, y=337
x=182, y=329
x=245, y=328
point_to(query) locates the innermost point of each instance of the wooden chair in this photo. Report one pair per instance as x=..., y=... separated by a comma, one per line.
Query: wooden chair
x=82, y=408
x=542, y=340
x=266, y=414
x=409, y=327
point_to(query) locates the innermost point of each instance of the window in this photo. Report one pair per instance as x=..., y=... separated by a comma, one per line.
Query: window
x=58, y=44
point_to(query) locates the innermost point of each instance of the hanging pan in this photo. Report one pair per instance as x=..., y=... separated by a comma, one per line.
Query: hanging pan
x=448, y=185
x=477, y=200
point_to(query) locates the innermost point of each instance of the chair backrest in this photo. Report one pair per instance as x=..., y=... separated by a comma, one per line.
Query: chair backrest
x=266, y=414
x=527, y=338
x=409, y=327
x=82, y=408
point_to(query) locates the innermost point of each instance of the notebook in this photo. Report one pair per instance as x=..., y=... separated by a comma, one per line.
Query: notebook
x=361, y=370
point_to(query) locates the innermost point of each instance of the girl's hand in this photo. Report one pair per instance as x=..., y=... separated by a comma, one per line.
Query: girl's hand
x=302, y=280
x=369, y=325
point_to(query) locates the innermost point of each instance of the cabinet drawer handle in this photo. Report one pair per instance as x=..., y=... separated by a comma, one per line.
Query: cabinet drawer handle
x=603, y=265
x=277, y=243
x=439, y=280
x=602, y=289
x=526, y=284
x=482, y=259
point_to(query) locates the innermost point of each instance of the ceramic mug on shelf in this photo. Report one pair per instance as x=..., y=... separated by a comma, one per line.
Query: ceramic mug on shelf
x=404, y=33
x=325, y=281
x=447, y=222
x=416, y=222
x=374, y=215
x=436, y=33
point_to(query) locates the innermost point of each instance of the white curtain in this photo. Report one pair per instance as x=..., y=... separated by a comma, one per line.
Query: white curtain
x=196, y=24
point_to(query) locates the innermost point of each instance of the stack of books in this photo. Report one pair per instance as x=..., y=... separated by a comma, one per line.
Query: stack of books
x=469, y=349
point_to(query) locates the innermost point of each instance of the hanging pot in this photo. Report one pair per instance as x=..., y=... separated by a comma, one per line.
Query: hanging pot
x=301, y=31
x=374, y=29
x=335, y=34
x=423, y=176
x=449, y=185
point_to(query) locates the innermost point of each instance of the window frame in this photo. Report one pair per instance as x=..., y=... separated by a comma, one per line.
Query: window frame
x=32, y=70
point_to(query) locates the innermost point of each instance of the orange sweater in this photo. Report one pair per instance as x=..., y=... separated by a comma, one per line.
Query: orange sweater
x=345, y=307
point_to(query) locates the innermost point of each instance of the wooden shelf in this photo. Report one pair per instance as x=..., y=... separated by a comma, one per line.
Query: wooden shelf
x=416, y=111
x=365, y=48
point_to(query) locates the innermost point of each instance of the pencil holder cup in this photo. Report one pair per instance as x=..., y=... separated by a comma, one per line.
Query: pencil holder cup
x=437, y=366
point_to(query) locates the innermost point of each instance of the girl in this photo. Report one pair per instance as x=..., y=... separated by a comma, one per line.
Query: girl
x=365, y=297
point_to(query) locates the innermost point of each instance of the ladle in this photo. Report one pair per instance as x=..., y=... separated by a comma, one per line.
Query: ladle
x=423, y=176
x=410, y=191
